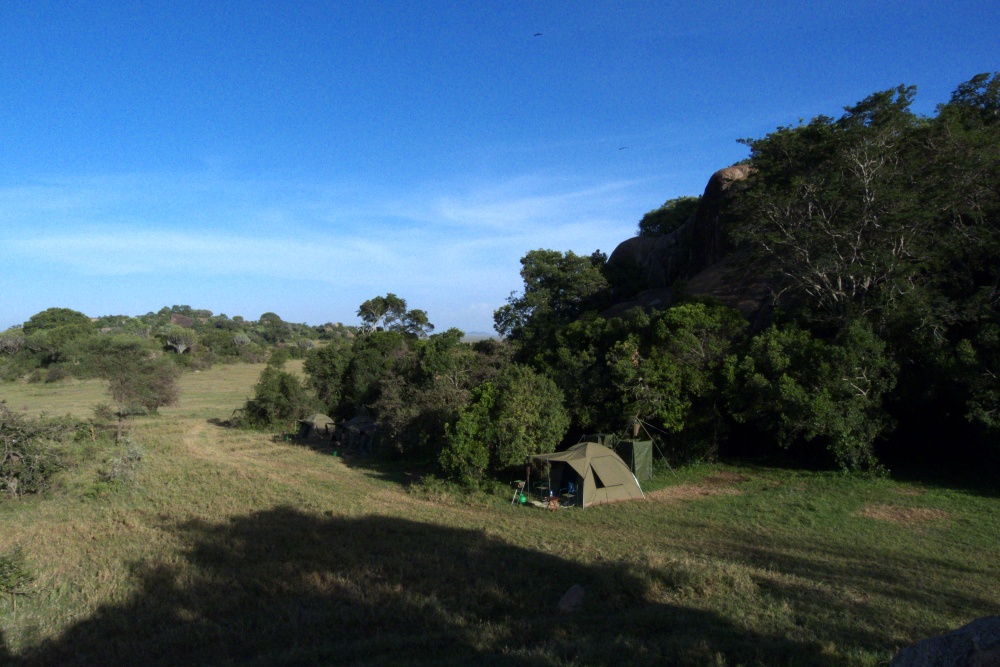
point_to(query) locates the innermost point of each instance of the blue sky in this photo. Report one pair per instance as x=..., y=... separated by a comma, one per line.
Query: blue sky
x=301, y=157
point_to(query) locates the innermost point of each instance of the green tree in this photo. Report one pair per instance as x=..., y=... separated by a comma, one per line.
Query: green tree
x=378, y=312
x=828, y=210
x=893, y=218
x=517, y=414
x=389, y=313
x=424, y=391
x=56, y=318
x=137, y=382
x=179, y=338
x=325, y=366
x=278, y=398
x=670, y=216
x=670, y=373
x=11, y=341
x=50, y=333
x=221, y=342
x=272, y=329
x=798, y=389
x=558, y=288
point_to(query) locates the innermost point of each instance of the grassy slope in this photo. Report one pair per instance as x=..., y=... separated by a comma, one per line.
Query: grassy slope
x=235, y=548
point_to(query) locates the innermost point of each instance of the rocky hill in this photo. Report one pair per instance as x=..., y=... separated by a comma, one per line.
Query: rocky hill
x=696, y=253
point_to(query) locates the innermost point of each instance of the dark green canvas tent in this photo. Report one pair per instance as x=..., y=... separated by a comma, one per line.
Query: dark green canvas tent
x=357, y=435
x=638, y=455
x=597, y=474
x=317, y=425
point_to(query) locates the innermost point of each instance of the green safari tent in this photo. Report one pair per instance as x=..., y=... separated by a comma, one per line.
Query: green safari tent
x=598, y=474
x=317, y=425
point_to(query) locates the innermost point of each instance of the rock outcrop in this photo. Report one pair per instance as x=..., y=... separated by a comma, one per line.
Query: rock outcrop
x=697, y=253
x=974, y=645
x=691, y=248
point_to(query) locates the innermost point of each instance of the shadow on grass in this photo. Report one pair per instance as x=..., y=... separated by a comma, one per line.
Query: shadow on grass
x=283, y=587
x=402, y=473
x=980, y=481
x=398, y=471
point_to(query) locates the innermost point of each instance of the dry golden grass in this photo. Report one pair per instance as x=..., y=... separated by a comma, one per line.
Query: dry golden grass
x=723, y=483
x=68, y=397
x=902, y=515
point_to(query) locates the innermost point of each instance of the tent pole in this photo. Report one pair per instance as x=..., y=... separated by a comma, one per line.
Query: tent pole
x=653, y=440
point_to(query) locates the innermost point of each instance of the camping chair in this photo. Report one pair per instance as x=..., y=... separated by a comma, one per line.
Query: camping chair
x=567, y=493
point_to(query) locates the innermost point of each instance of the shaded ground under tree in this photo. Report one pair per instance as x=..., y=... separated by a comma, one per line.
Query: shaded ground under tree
x=283, y=587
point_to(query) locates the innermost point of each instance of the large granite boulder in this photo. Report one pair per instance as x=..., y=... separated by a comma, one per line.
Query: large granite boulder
x=688, y=250
x=974, y=645
x=698, y=253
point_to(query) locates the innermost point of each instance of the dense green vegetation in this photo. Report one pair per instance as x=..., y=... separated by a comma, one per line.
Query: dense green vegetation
x=670, y=216
x=879, y=236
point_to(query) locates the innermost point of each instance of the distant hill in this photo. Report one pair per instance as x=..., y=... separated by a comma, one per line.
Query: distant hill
x=474, y=336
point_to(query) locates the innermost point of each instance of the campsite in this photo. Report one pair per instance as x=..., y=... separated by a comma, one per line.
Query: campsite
x=237, y=547
x=537, y=334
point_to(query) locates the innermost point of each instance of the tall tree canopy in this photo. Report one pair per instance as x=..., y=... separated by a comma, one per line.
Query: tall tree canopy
x=670, y=216
x=558, y=288
x=389, y=313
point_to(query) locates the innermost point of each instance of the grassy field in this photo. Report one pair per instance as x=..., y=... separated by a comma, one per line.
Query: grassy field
x=241, y=548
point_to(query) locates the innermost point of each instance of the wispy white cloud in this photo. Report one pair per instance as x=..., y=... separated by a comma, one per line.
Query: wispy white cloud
x=459, y=245
x=515, y=205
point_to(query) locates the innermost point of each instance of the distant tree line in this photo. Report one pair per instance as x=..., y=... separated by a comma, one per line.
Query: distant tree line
x=58, y=343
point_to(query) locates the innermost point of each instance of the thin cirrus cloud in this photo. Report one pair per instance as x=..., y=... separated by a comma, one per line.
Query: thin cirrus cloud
x=510, y=207
x=119, y=252
x=454, y=240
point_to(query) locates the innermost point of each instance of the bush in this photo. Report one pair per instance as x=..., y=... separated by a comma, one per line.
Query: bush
x=28, y=456
x=14, y=572
x=279, y=357
x=159, y=384
x=252, y=353
x=123, y=469
x=104, y=412
x=57, y=374
x=517, y=414
x=278, y=397
x=798, y=389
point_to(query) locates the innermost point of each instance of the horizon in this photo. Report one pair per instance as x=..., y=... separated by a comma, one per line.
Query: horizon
x=301, y=159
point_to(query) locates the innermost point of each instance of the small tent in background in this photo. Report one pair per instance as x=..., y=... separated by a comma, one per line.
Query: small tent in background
x=316, y=426
x=598, y=474
x=638, y=455
x=357, y=435
x=606, y=439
